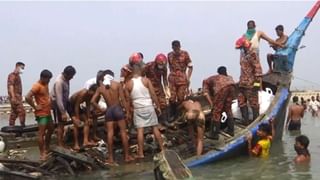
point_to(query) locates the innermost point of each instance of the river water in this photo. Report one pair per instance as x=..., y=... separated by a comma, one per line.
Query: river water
x=278, y=166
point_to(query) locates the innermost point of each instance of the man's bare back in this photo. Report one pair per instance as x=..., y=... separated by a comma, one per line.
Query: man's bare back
x=111, y=94
x=190, y=105
x=296, y=112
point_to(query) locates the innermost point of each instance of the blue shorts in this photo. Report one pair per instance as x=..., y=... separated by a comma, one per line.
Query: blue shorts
x=114, y=113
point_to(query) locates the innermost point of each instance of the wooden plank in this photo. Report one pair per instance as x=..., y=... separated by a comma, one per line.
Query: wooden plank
x=170, y=166
x=33, y=168
x=16, y=174
x=5, y=160
x=66, y=153
x=66, y=165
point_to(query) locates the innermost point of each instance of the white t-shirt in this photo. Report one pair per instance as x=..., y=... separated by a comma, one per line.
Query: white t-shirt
x=314, y=105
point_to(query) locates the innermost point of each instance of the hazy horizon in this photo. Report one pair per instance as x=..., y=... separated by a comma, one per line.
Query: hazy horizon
x=102, y=35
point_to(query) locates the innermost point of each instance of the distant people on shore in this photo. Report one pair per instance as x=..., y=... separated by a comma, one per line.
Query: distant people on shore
x=4, y=99
x=295, y=115
x=42, y=106
x=282, y=39
x=60, y=100
x=14, y=86
x=303, y=103
x=301, y=148
x=314, y=107
x=265, y=133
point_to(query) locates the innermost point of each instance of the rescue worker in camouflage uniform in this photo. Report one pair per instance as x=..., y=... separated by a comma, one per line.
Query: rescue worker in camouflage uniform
x=156, y=72
x=14, y=86
x=179, y=78
x=220, y=91
x=250, y=80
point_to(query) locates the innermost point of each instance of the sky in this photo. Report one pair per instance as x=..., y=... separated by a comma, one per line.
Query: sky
x=102, y=35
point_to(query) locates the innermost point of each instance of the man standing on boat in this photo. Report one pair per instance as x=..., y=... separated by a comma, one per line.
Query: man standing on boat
x=42, y=111
x=254, y=37
x=15, y=95
x=156, y=72
x=78, y=114
x=295, y=114
x=251, y=71
x=180, y=66
x=282, y=39
x=143, y=98
x=60, y=100
x=220, y=91
x=250, y=79
x=113, y=95
x=103, y=78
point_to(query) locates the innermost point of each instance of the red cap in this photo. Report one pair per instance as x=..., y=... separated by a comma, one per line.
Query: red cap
x=161, y=59
x=135, y=58
x=243, y=42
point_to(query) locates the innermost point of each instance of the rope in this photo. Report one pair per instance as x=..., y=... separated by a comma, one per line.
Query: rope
x=305, y=80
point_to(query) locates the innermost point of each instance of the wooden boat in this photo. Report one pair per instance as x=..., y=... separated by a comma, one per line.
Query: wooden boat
x=279, y=82
x=229, y=146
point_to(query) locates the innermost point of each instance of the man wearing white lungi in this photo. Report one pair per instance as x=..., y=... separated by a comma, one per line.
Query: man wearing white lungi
x=143, y=97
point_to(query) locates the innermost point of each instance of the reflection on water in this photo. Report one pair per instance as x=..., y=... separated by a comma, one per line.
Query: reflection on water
x=278, y=166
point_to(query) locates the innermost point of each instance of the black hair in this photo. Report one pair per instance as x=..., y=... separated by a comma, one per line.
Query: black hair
x=100, y=75
x=189, y=98
x=20, y=64
x=69, y=71
x=222, y=70
x=45, y=74
x=140, y=53
x=175, y=43
x=295, y=99
x=251, y=21
x=110, y=72
x=265, y=127
x=93, y=87
x=303, y=140
x=280, y=27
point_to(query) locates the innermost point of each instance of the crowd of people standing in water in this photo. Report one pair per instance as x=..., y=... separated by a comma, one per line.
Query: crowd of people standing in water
x=146, y=95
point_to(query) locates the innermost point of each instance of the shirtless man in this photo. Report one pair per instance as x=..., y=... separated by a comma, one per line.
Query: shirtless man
x=295, y=114
x=282, y=39
x=195, y=118
x=78, y=113
x=114, y=97
x=301, y=148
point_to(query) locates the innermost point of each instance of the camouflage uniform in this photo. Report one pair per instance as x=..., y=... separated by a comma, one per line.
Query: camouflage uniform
x=250, y=70
x=222, y=91
x=17, y=109
x=178, y=81
x=156, y=75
